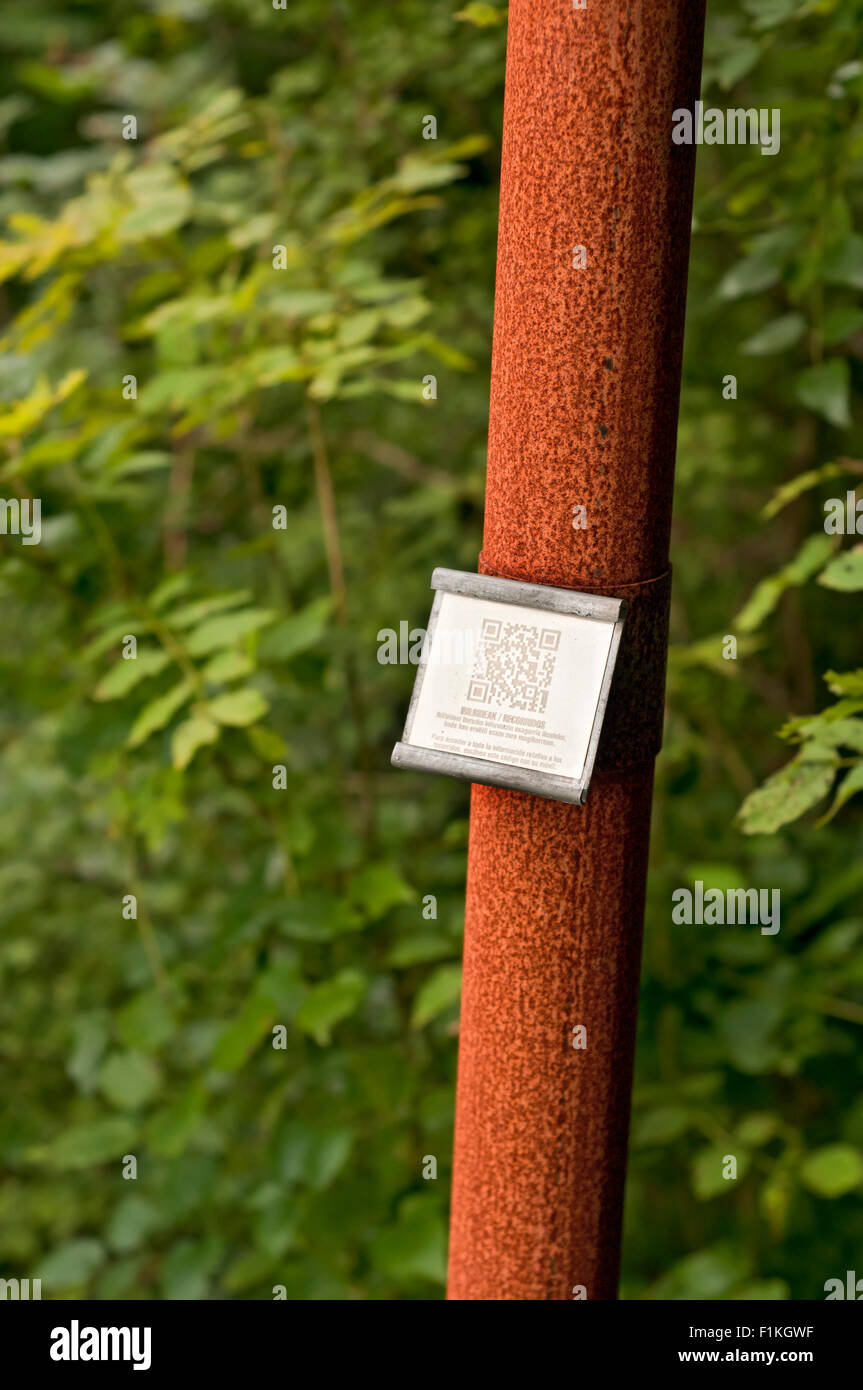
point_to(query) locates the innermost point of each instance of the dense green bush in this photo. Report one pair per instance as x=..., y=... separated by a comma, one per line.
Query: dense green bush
x=278, y=260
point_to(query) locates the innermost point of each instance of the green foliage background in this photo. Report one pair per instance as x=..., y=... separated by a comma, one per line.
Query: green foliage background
x=301, y=388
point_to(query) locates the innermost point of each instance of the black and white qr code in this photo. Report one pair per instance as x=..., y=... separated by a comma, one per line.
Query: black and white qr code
x=514, y=665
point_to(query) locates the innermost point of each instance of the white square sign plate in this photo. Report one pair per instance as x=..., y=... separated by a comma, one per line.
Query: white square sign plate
x=512, y=684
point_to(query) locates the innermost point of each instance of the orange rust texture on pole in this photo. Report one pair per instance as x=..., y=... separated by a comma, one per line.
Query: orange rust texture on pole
x=584, y=400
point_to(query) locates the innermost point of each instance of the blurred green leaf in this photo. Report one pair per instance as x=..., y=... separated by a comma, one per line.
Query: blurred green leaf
x=71, y=1264
x=159, y=712
x=313, y=1155
x=439, y=991
x=238, y=709
x=845, y=265
x=297, y=633
x=832, y=1171
x=414, y=1247
x=80, y=1146
x=223, y=631
x=132, y=1222
x=189, y=736
x=777, y=336
x=788, y=794
x=814, y=551
x=481, y=15
x=330, y=1003
x=129, y=673
x=754, y=273
x=709, y=1168
x=844, y=572
x=188, y=1267
x=826, y=390
x=146, y=1022
x=129, y=1080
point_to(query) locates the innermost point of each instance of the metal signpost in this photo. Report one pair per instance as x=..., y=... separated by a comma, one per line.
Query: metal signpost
x=593, y=247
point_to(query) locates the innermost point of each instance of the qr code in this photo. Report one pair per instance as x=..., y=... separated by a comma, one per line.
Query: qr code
x=514, y=665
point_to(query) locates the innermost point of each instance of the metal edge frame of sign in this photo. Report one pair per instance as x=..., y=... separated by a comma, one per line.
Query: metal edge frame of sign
x=540, y=596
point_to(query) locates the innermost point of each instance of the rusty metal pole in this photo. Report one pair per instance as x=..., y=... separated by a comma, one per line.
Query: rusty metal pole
x=584, y=401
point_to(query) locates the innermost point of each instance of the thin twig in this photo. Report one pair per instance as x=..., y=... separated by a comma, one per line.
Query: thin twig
x=332, y=543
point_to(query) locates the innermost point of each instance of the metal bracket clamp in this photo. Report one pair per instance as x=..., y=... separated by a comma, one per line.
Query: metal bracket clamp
x=634, y=717
x=632, y=732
